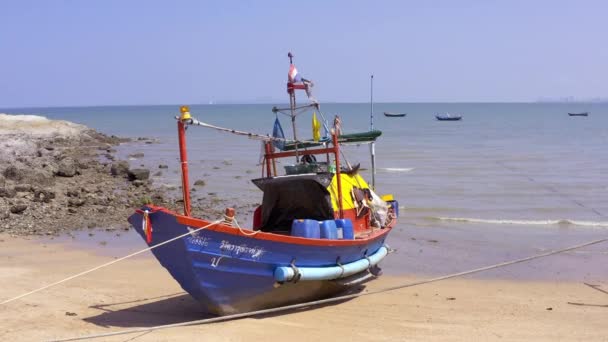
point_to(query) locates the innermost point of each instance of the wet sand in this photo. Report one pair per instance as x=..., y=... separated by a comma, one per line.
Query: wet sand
x=139, y=293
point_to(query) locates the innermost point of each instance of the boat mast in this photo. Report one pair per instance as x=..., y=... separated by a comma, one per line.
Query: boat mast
x=183, y=155
x=292, y=108
x=372, y=147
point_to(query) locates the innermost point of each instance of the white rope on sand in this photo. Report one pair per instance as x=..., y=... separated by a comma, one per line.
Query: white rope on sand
x=110, y=263
x=334, y=299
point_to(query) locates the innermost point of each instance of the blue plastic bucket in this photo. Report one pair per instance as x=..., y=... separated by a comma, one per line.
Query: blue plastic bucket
x=395, y=205
x=328, y=229
x=306, y=229
x=345, y=229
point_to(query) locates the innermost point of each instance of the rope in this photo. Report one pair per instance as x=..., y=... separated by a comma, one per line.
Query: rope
x=551, y=189
x=109, y=263
x=237, y=132
x=243, y=231
x=330, y=300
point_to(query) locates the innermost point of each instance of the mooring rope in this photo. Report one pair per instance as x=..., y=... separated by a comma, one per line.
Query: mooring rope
x=331, y=300
x=110, y=263
x=551, y=189
x=251, y=135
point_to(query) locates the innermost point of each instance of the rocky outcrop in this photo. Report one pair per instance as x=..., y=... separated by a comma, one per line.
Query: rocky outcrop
x=138, y=174
x=67, y=168
x=61, y=177
x=120, y=168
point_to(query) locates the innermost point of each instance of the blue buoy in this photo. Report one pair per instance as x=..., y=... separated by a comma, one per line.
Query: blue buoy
x=328, y=229
x=306, y=229
x=346, y=227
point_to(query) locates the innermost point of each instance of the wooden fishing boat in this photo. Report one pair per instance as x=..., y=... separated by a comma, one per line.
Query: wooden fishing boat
x=394, y=115
x=448, y=117
x=314, y=235
x=579, y=114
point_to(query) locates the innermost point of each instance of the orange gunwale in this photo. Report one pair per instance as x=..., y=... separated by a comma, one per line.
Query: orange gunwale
x=197, y=223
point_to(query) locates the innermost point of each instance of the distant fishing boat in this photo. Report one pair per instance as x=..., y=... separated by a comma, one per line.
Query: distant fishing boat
x=579, y=114
x=448, y=117
x=394, y=115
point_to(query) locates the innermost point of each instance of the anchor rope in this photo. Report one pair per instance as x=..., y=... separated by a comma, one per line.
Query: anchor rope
x=334, y=299
x=110, y=263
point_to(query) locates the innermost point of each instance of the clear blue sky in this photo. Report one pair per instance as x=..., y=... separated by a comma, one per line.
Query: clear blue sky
x=113, y=52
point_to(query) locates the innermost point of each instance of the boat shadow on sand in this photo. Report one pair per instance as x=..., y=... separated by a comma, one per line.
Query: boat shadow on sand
x=171, y=309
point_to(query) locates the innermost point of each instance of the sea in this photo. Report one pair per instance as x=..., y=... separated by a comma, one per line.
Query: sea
x=507, y=181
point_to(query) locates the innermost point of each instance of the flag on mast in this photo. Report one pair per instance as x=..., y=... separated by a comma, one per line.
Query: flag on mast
x=292, y=75
x=277, y=132
x=316, y=127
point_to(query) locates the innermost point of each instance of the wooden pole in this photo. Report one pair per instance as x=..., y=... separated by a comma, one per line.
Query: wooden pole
x=334, y=137
x=181, y=132
x=268, y=157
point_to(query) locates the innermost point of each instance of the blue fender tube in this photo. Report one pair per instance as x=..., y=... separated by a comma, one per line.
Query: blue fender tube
x=286, y=273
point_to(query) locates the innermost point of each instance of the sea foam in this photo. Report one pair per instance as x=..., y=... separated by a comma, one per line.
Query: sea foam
x=599, y=224
x=397, y=169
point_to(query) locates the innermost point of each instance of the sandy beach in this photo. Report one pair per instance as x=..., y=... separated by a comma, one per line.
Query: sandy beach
x=138, y=292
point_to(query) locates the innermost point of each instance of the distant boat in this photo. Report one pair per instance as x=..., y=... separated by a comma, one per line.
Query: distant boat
x=394, y=115
x=448, y=117
x=579, y=114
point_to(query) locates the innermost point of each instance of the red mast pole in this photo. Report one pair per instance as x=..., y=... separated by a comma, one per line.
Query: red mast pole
x=181, y=133
x=334, y=138
x=268, y=151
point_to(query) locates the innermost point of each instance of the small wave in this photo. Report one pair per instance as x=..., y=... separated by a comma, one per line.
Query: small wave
x=525, y=222
x=397, y=169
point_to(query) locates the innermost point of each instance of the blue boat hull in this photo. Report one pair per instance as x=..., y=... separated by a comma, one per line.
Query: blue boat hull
x=229, y=272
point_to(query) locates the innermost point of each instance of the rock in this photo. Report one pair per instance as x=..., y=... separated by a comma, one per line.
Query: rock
x=13, y=173
x=23, y=188
x=120, y=168
x=76, y=202
x=7, y=192
x=82, y=165
x=163, y=166
x=72, y=193
x=2, y=181
x=44, y=196
x=4, y=212
x=49, y=147
x=158, y=198
x=199, y=182
x=158, y=174
x=72, y=211
x=40, y=177
x=18, y=208
x=138, y=174
x=136, y=155
x=138, y=182
x=67, y=168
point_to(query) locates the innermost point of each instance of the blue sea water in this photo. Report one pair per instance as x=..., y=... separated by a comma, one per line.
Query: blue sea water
x=507, y=173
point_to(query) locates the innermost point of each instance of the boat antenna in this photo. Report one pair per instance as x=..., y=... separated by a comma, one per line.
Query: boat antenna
x=292, y=108
x=371, y=101
x=372, y=147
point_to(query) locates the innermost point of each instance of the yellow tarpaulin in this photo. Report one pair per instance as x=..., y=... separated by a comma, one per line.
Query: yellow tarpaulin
x=348, y=182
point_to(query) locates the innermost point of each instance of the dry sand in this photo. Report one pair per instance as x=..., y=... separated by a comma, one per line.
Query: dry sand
x=140, y=293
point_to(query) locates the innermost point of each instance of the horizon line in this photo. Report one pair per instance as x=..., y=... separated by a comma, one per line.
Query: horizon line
x=329, y=102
